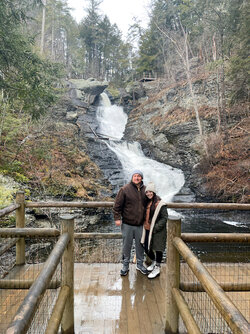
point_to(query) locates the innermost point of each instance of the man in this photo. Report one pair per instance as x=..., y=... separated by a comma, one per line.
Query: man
x=129, y=213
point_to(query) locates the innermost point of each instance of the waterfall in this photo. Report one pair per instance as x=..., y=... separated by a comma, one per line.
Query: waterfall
x=112, y=122
x=111, y=119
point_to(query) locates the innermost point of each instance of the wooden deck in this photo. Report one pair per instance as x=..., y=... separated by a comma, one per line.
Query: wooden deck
x=106, y=303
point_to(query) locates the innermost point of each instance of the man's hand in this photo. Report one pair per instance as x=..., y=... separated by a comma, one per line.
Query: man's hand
x=118, y=222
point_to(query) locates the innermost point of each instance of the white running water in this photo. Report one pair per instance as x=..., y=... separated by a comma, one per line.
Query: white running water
x=112, y=122
x=111, y=118
x=237, y=224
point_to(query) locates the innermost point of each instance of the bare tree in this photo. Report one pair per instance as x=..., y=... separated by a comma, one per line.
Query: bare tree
x=219, y=103
x=43, y=26
x=182, y=48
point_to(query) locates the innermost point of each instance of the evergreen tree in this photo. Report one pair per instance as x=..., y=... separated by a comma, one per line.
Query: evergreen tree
x=152, y=48
x=25, y=79
x=106, y=55
x=90, y=33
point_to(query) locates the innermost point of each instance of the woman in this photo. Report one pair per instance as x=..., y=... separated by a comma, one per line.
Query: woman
x=154, y=229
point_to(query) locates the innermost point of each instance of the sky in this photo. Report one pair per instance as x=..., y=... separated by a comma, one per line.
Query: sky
x=120, y=12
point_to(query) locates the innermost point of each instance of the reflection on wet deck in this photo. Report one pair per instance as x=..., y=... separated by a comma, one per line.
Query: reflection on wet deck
x=107, y=303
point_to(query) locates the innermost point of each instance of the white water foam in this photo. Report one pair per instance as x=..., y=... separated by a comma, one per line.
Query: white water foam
x=112, y=122
x=237, y=224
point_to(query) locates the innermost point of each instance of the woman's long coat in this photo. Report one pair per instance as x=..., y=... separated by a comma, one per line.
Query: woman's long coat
x=158, y=228
x=159, y=231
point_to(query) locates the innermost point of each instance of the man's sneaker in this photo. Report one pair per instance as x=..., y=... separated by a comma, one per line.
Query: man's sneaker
x=151, y=267
x=124, y=271
x=142, y=269
x=156, y=272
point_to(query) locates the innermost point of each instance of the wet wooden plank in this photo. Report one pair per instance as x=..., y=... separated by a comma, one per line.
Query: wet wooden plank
x=124, y=302
x=159, y=288
x=141, y=291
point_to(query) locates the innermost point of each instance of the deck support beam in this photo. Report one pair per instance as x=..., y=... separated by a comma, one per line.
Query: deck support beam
x=56, y=317
x=67, y=324
x=20, y=223
x=173, y=275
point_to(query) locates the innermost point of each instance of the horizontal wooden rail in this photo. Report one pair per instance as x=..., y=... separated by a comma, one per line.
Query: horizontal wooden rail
x=17, y=284
x=68, y=204
x=9, y=245
x=29, y=232
x=28, y=307
x=9, y=209
x=197, y=287
x=56, y=317
x=186, y=315
x=228, y=310
x=214, y=206
x=187, y=237
x=97, y=236
x=216, y=237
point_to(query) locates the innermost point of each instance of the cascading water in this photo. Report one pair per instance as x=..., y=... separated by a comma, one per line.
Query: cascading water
x=112, y=122
x=111, y=119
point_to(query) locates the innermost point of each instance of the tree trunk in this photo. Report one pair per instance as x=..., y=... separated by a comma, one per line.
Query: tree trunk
x=43, y=26
x=214, y=50
x=53, y=36
x=222, y=79
x=187, y=68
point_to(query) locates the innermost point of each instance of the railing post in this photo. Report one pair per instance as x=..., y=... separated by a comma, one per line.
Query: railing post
x=172, y=274
x=20, y=223
x=67, y=324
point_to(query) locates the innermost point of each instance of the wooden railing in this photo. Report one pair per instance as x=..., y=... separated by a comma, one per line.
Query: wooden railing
x=64, y=308
x=63, y=312
x=175, y=303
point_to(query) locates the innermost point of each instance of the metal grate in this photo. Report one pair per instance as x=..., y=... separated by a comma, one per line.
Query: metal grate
x=98, y=251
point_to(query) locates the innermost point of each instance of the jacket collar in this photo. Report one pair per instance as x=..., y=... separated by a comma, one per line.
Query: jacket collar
x=141, y=184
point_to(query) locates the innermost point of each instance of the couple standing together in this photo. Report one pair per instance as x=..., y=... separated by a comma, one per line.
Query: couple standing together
x=142, y=216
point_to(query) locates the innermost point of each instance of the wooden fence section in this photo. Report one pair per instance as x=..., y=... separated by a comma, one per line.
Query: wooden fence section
x=175, y=303
x=63, y=313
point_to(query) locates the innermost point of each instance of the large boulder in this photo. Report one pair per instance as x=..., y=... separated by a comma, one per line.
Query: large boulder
x=86, y=90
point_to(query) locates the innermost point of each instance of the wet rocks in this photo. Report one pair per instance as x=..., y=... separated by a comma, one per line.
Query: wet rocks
x=86, y=91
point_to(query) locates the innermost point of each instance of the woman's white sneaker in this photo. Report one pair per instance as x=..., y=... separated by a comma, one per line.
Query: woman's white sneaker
x=156, y=272
x=151, y=267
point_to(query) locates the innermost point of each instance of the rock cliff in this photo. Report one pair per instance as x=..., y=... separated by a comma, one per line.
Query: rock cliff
x=164, y=123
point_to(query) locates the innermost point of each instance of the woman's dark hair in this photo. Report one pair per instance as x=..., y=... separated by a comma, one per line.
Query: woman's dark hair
x=152, y=208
